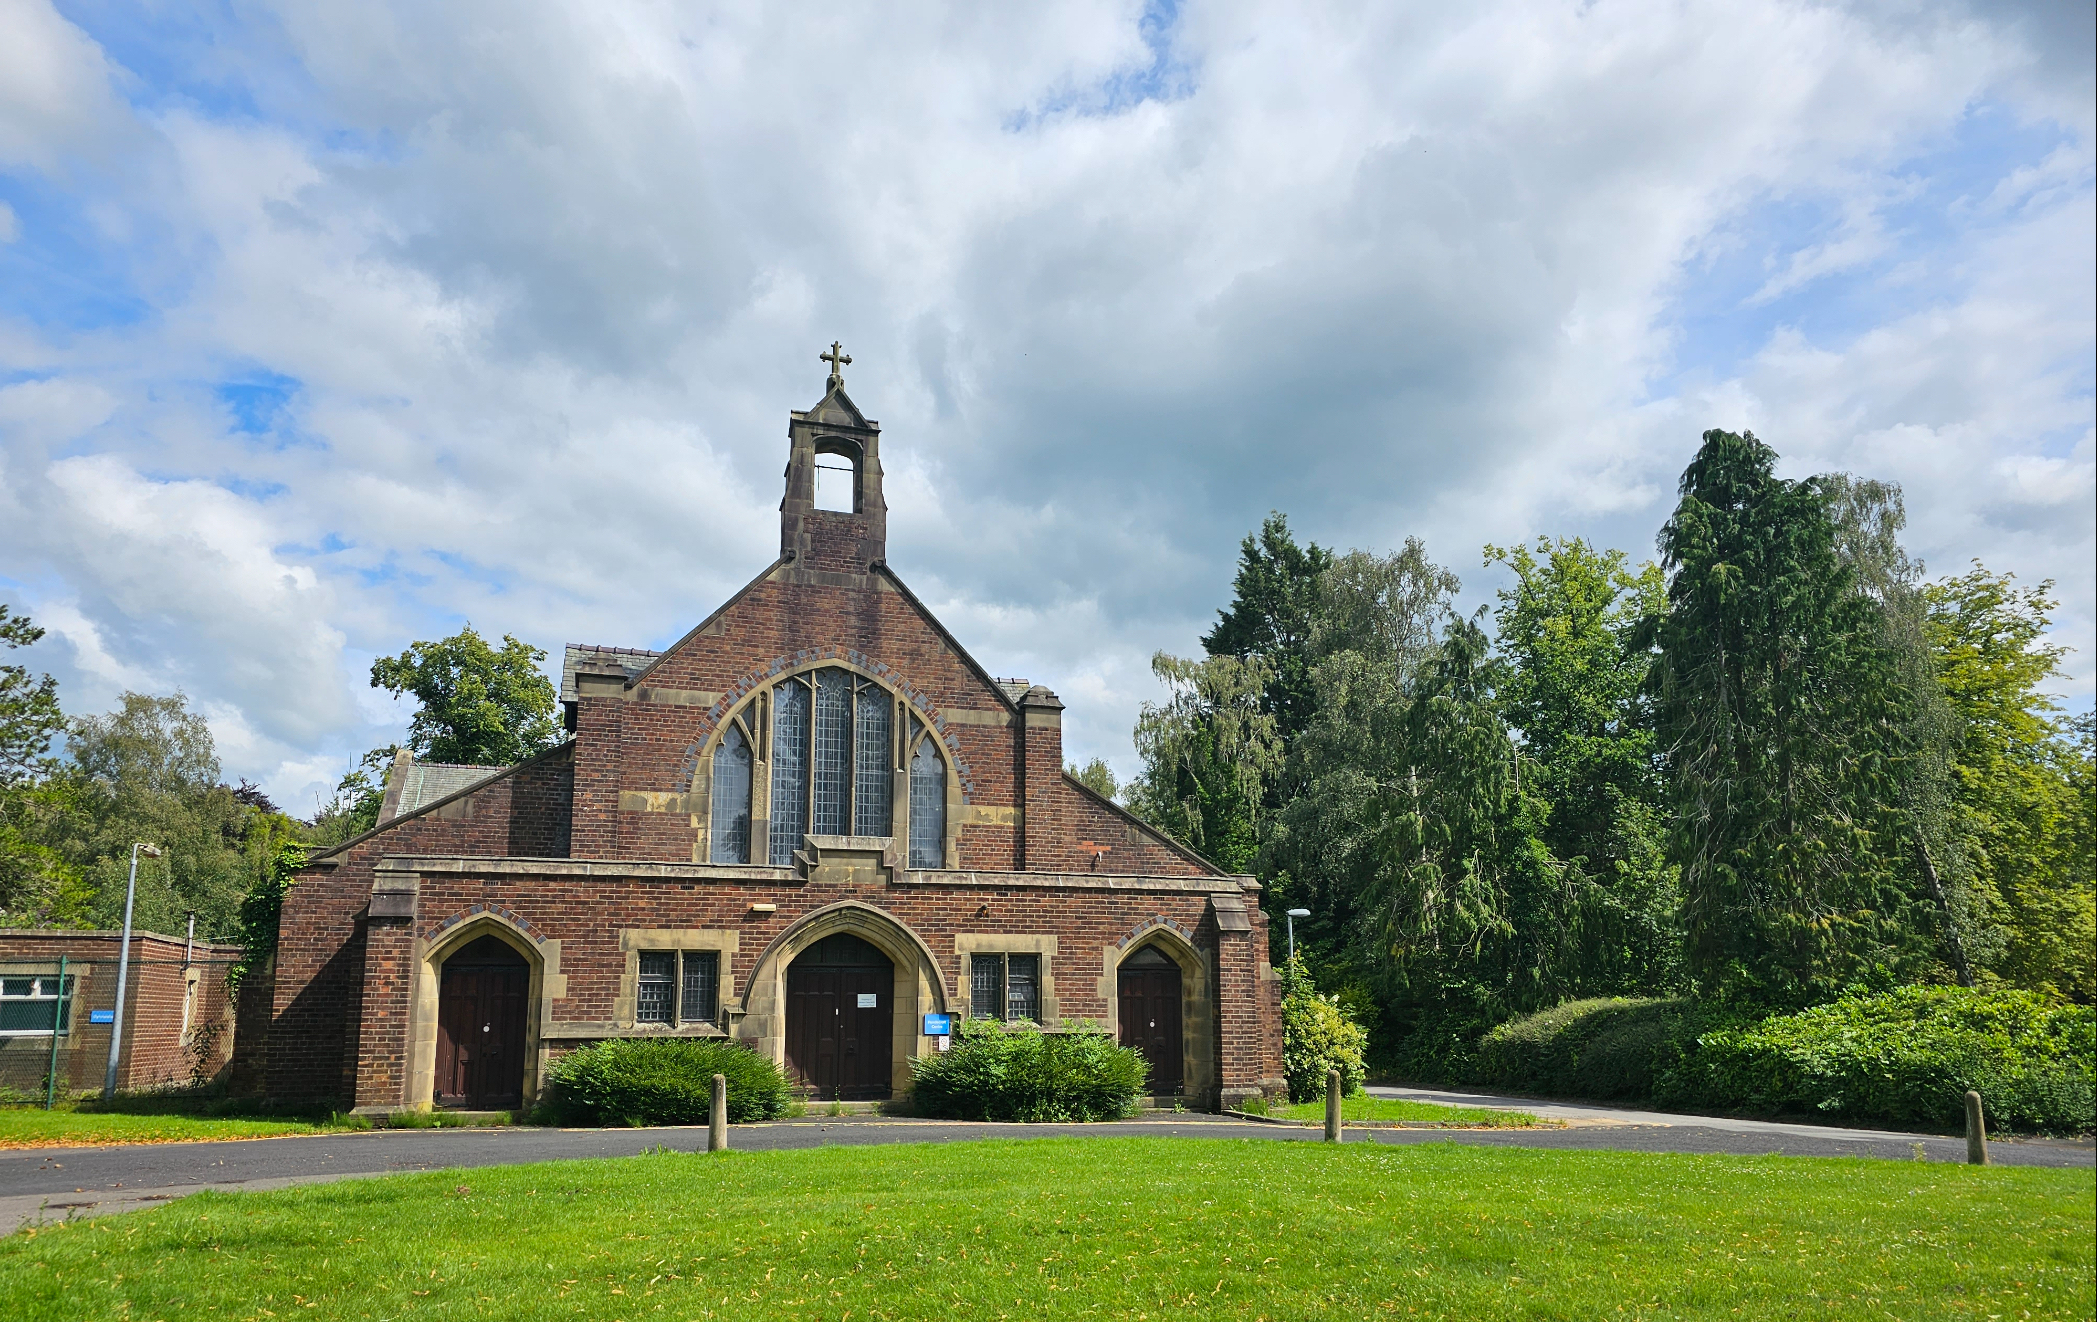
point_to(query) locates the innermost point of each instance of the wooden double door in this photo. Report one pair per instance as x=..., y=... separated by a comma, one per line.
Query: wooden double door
x=1149, y=1011
x=481, y=1002
x=840, y=1020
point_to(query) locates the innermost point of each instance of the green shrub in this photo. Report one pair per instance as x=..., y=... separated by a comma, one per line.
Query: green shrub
x=1017, y=1072
x=665, y=1081
x=1318, y=1035
x=1607, y=1048
x=1905, y=1057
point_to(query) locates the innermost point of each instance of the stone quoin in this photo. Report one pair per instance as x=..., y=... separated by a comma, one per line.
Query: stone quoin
x=806, y=825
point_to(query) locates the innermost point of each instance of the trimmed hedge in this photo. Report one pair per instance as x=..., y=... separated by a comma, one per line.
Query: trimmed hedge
x=1906, y=1057
x=665, y=1081
x=1017, y=1072
x=1603, y=1049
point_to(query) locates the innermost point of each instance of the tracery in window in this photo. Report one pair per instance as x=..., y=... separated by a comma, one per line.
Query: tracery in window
x=928, y=807
x=833, y=754
x=790, y=726
x=873, y=811
x=731, y=798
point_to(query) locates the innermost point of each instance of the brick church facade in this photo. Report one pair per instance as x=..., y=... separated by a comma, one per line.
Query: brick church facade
x=808, y=825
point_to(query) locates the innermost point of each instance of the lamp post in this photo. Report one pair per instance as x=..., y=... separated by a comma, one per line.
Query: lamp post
x=116, y=1027
x=1295, y=914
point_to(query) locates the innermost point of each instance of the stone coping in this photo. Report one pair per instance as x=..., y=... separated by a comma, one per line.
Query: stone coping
x=619, y=870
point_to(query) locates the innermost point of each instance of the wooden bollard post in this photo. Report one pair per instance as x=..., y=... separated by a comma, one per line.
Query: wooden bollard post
x=717, y=1122
x=1332, y=1106
x=1976, y=1131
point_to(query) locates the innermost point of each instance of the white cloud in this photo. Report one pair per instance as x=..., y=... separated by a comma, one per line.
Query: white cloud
x=543, y=281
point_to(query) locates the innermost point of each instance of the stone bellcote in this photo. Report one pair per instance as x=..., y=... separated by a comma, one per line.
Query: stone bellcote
x=836, y=435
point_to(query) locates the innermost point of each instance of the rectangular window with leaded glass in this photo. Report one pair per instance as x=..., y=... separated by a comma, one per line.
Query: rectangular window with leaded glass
x=678, y=987
x=1004, y=986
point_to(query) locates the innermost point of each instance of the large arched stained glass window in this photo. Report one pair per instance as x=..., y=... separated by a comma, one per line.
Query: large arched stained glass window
x=928, y=807
x=833, y=759
x=731, y=798
x=789, y=821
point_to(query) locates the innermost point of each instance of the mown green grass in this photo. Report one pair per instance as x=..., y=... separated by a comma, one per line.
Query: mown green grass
x=1137, y=1228
x=69, y=1126
x=1357, y=1109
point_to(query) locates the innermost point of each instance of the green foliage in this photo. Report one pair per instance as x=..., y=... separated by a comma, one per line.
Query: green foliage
x=1782, y=717
x=1906, y=1057
x=148, y=772
x=665, y=1081
x=1569, y=632
x=35, y=880
x=354, y=808
x=1273, y=610
x=1096, y=776
x=2021, y=782
x=260, y=910
x=1016, y=1072
x=1607, y=1048
x=479, y=705
x=1208, y=754
x=1318, y=1036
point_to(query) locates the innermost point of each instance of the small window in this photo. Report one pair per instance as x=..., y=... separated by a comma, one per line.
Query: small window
x=702, y=987
x=654, y=1000
x=35, y=1004
x=1005, y=987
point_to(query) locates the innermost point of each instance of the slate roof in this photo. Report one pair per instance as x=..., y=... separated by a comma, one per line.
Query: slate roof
x=633, y=660
x=1015, y=689
x=427, y=782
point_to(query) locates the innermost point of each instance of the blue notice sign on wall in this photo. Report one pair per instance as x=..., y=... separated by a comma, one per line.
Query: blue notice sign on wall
x=101, y=1016
x=939, y=1025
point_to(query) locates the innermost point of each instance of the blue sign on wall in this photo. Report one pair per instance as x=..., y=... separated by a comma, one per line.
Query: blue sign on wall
x=101, y=1016
x=939, y=1025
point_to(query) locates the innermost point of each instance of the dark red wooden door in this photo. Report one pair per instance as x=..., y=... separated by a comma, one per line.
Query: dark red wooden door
x=1150, y=1022
x=480, y=1027
x=840, y=1021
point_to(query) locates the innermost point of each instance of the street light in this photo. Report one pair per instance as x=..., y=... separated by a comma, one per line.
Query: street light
x=1295, y=914
x=116, y=1027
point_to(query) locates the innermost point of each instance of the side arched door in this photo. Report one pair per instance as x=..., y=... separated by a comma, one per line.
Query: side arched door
x=480, y=1027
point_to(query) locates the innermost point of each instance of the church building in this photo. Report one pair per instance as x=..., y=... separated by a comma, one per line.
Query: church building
x=814, y=825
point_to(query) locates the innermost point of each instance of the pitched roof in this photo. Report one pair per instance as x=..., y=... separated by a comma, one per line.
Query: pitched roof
x=427, y=782
x=633, y=660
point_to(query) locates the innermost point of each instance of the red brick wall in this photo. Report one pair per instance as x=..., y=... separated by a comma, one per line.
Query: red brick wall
x=154, y=1053
x=312, y=1051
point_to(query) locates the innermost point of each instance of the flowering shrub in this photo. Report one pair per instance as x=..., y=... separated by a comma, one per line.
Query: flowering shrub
x=1317, y=1035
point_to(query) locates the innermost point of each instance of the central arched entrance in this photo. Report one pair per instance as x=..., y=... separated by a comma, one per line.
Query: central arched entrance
x=481, y=1002
x=840, y=1019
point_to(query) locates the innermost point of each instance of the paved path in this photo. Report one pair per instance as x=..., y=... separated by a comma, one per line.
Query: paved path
x=55, y=1183
x=1583, y=1114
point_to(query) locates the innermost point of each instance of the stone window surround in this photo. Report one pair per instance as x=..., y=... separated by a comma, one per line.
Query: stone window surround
x=634, y=940
x=967, y=945
x=753, y=713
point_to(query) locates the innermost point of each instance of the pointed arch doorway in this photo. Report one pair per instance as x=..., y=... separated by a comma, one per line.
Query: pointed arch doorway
x=1150, y=1017
x=840, y=1019
x=481, y=1001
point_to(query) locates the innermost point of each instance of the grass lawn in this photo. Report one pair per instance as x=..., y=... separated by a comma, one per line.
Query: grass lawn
x=1394, y=1108
x=1137, y=1228
x=70, y=1126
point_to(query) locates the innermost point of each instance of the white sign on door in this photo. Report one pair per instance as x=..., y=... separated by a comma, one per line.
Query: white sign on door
x=866, y=1000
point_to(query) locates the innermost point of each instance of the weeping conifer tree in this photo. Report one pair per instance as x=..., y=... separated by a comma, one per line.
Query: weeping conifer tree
x=1782, y=718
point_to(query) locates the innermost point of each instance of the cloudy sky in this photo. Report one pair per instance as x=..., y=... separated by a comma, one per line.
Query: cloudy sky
x=329, y=327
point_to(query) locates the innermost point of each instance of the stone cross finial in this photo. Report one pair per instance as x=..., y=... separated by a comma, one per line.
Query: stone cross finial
x=837, y=358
